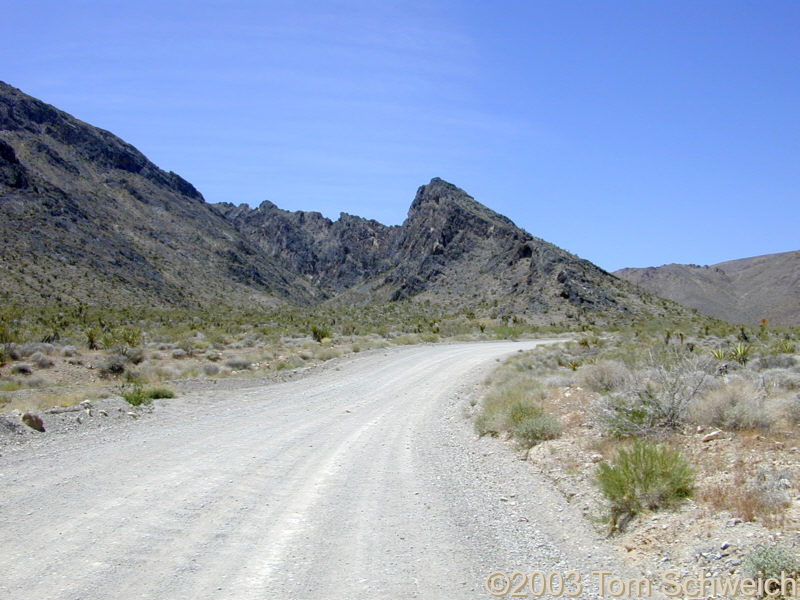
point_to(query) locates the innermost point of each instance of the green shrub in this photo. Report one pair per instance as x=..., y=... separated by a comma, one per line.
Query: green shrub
x=138, y=396
x=536, y=428
x=644, y=476
x=770, y=563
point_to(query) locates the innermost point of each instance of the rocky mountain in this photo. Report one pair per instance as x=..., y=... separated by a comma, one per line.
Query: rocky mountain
x=87, y=217
x=739, y=291
x=450, y=247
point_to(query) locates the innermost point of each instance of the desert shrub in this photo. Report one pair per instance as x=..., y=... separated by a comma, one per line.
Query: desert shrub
x=113, y=364
x=495, y=414
x=320, y=332
x=69, y=351
x=134, y=354
x=789, y=408
x=213, y=356
x=136, y=395
x=41, y=361
x=292, y=362
x=604, y=376
x=18, y=351
x=781, y=379
x=658, y=397
x=238, y=364
x=22, y=369
x=179, y=353
x=770, y=562
x=737, y=406
x=326, y=353
x=535, y=428
x=210, y=369
x=776, y=361
x=643, y=477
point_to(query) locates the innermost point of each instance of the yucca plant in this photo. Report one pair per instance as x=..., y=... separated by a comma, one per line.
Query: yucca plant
x=719, y=353
x=741, y=353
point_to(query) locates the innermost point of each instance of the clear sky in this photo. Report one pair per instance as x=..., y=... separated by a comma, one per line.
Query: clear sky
x=630, y=133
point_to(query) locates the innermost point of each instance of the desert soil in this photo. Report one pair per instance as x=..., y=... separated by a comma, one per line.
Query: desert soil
x=363, y=479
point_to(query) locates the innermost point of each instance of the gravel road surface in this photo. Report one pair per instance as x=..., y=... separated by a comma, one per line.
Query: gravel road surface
x=362, y=480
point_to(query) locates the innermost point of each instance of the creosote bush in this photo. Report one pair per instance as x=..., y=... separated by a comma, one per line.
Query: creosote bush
x=644, y=476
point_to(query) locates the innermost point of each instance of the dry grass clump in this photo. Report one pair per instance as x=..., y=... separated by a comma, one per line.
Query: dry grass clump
x=736, y=406
x=604, y=376
x=753, y=495
x=514, y=404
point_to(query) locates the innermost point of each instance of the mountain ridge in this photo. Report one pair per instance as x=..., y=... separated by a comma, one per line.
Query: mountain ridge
x=743, y=291
x=88, y=218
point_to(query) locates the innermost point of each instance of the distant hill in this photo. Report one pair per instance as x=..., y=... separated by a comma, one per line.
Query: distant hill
x=87, y=217
x=739, y=291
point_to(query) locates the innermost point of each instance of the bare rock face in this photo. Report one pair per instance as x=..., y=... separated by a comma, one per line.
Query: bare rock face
x=450, y=245
x=334, y=255
x=33, y=421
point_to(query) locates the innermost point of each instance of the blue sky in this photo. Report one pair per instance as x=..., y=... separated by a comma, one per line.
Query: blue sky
x=630, y=133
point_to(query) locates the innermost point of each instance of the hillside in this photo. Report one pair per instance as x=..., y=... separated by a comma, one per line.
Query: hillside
x=87, y=217
x=738, y=291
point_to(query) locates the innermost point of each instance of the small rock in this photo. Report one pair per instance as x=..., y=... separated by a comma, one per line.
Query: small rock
x=712, y=436
x=133, y=414
x=104, y=413
x=33, y=421
x=596, y=458
x=732, y=522
x=725, y=546
x=700, y=429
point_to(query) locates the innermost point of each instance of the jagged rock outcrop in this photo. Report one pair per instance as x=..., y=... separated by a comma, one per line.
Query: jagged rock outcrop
x=450, y=246
x=334, y=255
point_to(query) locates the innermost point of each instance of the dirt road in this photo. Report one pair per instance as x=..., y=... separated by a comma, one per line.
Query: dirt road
x=360, y=481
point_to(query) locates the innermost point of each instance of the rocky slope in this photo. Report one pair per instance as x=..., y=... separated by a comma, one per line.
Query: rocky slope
x=739, y=291
x=449, y=247
x=85, y=216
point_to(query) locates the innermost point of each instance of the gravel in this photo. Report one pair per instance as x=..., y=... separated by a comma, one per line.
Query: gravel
x=360, y=480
